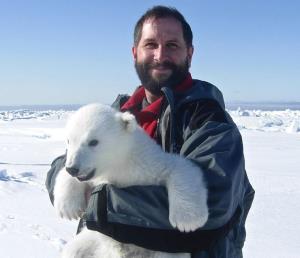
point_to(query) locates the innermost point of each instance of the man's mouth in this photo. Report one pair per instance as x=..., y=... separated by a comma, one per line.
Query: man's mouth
x=161, y=70
x=161, y=67
x=87, y=176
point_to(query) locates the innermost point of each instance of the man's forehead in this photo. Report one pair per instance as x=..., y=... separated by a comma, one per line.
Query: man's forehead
x=166, y=26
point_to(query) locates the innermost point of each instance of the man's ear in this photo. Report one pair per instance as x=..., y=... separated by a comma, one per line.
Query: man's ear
x=127, y=120
x=134, y=53
x=190, y=54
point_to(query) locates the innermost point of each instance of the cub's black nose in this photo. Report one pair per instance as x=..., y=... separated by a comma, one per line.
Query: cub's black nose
x=72, y=171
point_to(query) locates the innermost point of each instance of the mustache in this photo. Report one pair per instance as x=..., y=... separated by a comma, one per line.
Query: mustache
x=165, y=64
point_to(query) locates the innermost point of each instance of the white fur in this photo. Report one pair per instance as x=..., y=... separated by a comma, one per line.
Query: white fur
x=125, y=156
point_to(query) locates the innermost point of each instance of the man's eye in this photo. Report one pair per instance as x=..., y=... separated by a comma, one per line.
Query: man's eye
x=93, y=143
x=172, y=46
x=150, y=45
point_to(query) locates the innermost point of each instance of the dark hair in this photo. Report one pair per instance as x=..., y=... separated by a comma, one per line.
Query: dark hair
x=160, y=11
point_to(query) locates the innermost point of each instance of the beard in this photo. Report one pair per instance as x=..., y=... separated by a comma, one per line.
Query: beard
x=154, y=85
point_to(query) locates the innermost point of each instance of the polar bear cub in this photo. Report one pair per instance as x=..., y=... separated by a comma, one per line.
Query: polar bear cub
x=106, y=146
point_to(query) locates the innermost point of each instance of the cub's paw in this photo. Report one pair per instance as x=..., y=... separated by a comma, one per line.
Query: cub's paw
x=187, y=219
x=81, y=250
x=188, y=208
x=87, y=244
x=69, y=196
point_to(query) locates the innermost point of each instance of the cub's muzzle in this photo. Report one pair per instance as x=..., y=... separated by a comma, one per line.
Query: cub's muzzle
x=73, y=171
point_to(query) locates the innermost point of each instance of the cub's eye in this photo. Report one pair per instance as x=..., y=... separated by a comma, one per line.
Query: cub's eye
x=93, y=143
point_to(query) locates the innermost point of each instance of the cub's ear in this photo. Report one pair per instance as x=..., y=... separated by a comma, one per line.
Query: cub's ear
x=127, y=120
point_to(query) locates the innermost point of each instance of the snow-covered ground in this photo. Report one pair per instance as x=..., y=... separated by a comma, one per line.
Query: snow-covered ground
x=30, y=140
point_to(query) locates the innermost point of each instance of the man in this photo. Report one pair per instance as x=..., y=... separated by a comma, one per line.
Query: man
x=186, y=117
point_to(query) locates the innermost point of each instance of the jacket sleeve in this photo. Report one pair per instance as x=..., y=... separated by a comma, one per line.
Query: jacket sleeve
x=139, y=215
x=213, y=141
x=56, y=166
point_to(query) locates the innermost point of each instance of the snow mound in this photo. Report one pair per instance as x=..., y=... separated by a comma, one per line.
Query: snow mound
x=294, y=127
x=24, y=114
x=267, y=121
x=3, y=175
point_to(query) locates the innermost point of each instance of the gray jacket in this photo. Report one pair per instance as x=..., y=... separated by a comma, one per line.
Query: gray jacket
x=193, y=124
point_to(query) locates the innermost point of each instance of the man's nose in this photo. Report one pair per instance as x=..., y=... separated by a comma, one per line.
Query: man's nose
x=73, y=171
x=160, y=54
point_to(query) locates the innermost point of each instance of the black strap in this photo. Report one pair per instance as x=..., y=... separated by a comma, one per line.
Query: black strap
x=157, y=239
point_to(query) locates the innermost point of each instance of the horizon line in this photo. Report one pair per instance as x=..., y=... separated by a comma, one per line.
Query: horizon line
x=228, y=102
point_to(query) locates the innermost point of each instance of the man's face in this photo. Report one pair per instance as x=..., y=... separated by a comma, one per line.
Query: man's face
x=162, y=57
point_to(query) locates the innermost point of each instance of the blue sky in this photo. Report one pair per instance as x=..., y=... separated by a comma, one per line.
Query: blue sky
x=76, y=52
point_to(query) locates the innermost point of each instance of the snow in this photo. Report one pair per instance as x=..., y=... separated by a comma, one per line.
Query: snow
x=30, y=140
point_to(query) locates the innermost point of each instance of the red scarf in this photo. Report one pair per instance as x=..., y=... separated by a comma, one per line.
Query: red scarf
x=147, y=117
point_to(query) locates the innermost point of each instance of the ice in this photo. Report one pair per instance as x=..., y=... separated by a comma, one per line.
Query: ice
x=294, y=127
x=30, y=140
x=267, y=121
x=3, y=175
